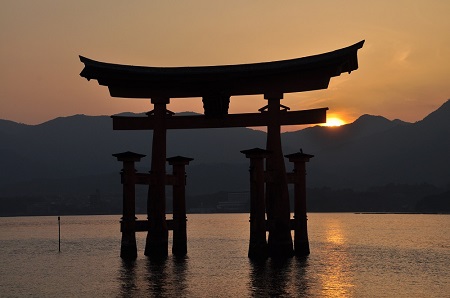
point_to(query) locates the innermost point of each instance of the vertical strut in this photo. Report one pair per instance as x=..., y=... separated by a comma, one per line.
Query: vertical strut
x=258, y=244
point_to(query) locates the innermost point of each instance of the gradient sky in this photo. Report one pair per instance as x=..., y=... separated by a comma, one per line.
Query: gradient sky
x=404, y=65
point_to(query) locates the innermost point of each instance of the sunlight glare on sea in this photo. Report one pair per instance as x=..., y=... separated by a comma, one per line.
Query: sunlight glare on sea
x=352, y=255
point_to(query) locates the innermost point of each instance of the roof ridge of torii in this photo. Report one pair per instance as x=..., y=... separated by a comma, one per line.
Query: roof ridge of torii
x=249, y=67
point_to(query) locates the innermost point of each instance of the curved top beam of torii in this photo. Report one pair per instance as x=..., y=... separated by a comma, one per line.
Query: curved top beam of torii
x=278, y=77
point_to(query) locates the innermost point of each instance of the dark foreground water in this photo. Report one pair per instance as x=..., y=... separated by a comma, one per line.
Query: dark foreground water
x=352, y=255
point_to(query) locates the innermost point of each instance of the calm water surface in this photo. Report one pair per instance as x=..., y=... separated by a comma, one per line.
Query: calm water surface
x=352, y=255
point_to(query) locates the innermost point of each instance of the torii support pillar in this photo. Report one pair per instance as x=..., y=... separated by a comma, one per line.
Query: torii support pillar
x=157, y=238
x=301, y=242
x=178, y=163
x=128, y=249
x=277, y=195
x=258, y=245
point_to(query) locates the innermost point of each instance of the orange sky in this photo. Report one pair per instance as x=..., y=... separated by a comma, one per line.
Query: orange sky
x=404, y=65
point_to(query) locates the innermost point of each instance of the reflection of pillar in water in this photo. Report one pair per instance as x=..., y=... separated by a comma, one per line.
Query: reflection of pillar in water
x=128, y=281
x=277, y=196
x=258, y=244
x=178, y=163
x=301, y=243
x=128, y=249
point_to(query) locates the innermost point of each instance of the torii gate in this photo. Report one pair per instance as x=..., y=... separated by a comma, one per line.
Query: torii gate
x=215, y=85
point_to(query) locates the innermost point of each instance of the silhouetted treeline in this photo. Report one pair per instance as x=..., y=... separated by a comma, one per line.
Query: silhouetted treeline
x=420, y=198
x=58, y=205
x=389, y=198
x=439, y=203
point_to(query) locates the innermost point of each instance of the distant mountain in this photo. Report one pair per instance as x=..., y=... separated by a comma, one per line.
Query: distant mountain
x=374, y=151
x=321, y=138
x=69, y=147
x=73, y=154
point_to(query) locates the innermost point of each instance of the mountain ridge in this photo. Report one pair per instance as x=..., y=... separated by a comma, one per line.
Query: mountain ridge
x=370, y=151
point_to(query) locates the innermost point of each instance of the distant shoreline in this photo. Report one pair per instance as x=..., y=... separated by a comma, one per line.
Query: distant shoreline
x=350, y=212
x=438, y=213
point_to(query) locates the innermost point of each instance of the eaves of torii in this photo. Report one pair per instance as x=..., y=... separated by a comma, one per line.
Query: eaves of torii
x=216, y=84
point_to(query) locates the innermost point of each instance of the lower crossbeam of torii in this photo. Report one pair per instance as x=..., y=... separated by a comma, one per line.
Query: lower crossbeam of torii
x=215, y=85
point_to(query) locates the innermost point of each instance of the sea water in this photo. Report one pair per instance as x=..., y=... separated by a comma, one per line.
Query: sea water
x=352, y=255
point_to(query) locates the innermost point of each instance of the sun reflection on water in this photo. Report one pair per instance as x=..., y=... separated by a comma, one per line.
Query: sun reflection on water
x=336, y=278
x=334, y=234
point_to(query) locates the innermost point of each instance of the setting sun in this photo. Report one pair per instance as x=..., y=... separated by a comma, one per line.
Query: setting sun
x=333, y=121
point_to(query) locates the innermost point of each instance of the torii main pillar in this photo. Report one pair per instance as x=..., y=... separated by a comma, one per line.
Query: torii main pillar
x=158, y=234
x=277, y=195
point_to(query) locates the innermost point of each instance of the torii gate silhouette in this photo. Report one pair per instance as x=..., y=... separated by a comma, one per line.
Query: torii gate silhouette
x=215, y=85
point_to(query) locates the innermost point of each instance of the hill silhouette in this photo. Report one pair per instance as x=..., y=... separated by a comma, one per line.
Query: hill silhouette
x=73, y=154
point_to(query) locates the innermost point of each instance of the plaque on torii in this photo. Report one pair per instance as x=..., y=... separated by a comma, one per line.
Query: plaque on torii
x=216, y=85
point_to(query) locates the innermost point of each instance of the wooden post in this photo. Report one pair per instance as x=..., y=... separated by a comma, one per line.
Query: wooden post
x=59, y=233
x=128, y=249
x=258, y=245
x=178, y=163
x=277, y=195
x=157, y=237
x=301, y=242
